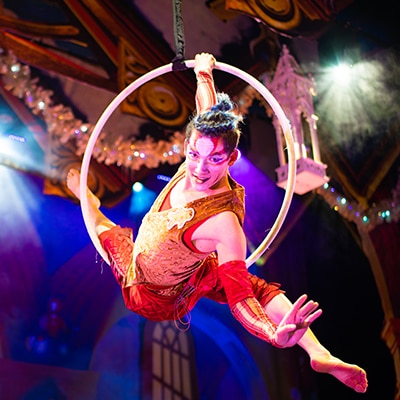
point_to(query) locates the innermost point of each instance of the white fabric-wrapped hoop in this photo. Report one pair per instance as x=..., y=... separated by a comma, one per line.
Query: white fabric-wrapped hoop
x=256, y=84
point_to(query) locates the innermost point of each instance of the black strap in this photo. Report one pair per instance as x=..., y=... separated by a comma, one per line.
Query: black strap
x=178, y=63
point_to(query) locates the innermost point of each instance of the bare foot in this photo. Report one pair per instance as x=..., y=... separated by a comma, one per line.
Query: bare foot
x=73, y=181
x=349, y=374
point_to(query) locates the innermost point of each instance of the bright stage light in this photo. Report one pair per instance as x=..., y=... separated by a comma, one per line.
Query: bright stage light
x=141, y=200
x=137, y=187
x=342, y=74
x=353, y=99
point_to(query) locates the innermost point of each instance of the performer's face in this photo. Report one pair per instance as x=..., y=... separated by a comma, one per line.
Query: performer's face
x=207, y=162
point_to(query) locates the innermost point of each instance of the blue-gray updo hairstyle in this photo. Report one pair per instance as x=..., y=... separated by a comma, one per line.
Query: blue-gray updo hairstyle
x=220, y=121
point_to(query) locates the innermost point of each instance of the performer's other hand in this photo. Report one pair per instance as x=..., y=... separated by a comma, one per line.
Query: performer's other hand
x=296, y=321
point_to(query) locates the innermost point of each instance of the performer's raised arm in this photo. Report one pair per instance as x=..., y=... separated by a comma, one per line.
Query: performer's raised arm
x=206, y=95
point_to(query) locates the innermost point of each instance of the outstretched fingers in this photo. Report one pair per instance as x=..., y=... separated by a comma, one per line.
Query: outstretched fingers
x=301, y=315
x=309, y=312
x=301, y=312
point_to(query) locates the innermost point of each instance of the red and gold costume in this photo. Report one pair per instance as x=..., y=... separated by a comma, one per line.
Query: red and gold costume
x=162, y=275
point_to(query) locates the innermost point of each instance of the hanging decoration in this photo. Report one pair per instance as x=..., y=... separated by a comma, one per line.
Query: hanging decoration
x=295, y=91
x=62, y=123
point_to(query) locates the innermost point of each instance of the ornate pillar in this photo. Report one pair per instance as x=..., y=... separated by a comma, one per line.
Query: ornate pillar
x=381, y=247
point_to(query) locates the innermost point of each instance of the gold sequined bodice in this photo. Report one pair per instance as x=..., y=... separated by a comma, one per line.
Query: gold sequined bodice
x=160, y=255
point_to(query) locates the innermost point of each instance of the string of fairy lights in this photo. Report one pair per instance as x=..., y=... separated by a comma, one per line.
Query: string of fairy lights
x=62, y=124
x=386, y=211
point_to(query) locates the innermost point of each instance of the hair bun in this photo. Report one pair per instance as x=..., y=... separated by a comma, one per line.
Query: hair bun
x=219, y=119
x=224, y=103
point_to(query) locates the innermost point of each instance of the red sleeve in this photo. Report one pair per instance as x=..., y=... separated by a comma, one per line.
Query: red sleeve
x=206, y=95
x=244, y=307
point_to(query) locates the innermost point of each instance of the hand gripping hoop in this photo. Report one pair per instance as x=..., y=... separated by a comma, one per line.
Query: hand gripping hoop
x=256, y=84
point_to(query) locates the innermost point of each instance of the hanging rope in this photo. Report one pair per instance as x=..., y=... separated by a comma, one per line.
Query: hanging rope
x=178, y=63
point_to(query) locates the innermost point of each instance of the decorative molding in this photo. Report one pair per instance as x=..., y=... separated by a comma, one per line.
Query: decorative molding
x=157, y=100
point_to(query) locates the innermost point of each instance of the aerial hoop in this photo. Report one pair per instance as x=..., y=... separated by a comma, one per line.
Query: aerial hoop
x=256, y=84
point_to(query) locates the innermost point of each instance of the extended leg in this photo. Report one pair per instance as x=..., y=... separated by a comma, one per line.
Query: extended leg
x=320, y=358
x=98, y=219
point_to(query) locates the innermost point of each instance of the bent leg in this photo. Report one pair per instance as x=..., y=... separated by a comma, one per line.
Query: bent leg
x=320, y=358
x=97, y=218
x=117, y=241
